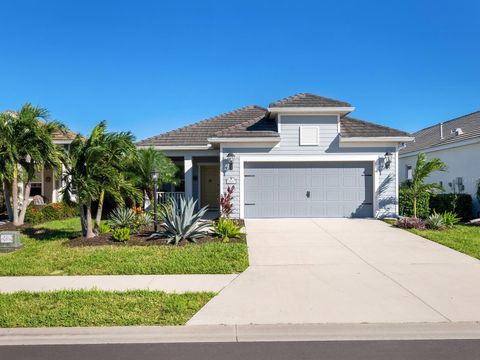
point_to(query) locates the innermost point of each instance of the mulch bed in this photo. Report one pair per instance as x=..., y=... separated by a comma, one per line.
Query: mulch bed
x=140, y=239
x=10, y=227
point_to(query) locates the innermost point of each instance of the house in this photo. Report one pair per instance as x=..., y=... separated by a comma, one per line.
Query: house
x=303, y=156
x=47, y=183
x=457, y=143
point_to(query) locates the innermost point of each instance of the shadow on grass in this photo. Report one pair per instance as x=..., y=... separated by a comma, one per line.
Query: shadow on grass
x=46, y=234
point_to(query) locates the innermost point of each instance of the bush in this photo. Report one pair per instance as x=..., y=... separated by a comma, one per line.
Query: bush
x=142, y=220
x=104, y=228
x=450, y=219
x=460, y=204
x=406, y=203
x=227, y=229
x=411, y=223
x=121, y=234
x=435, y=222
x=37, y=214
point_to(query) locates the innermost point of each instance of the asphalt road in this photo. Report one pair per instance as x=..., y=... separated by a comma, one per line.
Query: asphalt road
x=332, y=350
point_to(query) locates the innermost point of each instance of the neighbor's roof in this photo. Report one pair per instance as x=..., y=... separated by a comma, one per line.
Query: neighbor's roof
x=254, y=121
x=308, y=100
x=430, y=136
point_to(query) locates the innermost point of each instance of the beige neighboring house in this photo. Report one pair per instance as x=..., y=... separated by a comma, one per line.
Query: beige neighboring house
x=46, y=183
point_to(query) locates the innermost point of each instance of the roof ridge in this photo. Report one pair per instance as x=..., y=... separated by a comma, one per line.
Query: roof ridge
x=447, y=121
x=228, y=113
x=372, y=123
x=304, y=95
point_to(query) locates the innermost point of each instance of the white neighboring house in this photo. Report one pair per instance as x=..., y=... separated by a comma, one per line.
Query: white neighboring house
x=457, y=143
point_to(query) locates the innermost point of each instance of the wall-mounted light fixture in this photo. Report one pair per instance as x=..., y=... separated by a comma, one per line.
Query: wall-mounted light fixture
x=388, y=159
x=230, y=157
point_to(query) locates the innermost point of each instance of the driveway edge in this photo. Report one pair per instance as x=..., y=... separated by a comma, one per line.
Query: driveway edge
x=239, y=333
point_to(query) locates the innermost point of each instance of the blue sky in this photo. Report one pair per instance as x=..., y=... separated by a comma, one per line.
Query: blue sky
x=151, y=66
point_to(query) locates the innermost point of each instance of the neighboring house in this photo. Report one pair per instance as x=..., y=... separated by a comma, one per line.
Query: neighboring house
x=457, y=143
x=300, y=157
x=46, y=183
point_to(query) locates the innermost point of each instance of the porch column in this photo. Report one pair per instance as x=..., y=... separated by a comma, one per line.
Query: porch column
x=188, y=176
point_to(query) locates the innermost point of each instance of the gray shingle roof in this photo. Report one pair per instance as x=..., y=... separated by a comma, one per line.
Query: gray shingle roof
x=351, y=127
x=254, y=121
x=308, y=100
x=430, y=136
x=198, y=133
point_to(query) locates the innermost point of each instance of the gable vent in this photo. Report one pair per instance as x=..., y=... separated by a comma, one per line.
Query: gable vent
x=309, y=135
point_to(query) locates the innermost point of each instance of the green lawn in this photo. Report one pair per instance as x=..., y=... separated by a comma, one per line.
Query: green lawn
x=465, y=239
x=98, y=308
x=47, y=255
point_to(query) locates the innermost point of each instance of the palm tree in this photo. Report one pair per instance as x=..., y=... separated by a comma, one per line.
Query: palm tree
x=30, y=147
x=417, y=186
x=7, y=158
x=142, y=166
x=96, y=167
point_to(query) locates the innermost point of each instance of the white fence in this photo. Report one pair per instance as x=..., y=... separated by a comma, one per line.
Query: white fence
x=164, y=196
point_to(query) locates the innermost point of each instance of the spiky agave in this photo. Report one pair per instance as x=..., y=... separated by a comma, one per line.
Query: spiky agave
x=182, y=222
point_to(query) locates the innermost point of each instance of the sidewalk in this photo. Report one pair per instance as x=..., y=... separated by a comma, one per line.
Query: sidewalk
x=239, y=333
x=167, y=283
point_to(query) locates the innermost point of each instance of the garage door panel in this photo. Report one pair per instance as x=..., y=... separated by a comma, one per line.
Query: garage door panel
x=336, y=189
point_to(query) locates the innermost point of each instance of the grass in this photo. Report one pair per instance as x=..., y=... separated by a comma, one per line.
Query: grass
x=46, y=254
x=463, y=238
x=98, y=308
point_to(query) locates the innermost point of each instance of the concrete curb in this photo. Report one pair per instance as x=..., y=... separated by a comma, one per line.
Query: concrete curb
x=240, y=333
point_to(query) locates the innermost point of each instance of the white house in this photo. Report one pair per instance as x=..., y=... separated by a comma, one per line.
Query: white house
x=457, y=143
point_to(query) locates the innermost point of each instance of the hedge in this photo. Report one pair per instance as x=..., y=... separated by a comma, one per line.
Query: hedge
x=37, y=214
x=460, y=204
x=405, y=204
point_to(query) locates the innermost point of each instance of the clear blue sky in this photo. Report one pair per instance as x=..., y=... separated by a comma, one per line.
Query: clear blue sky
x=151, y=66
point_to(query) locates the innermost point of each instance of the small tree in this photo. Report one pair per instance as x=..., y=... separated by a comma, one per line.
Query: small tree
x=226, y=205
x=417, y=186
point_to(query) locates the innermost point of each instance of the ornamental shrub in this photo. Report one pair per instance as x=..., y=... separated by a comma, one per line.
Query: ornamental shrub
x=37, y=214
x=460, y=204
x=405, y=202
x=121, y=234
x=411, y=223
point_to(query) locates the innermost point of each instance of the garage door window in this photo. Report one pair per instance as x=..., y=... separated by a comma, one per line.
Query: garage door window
x=309, y=135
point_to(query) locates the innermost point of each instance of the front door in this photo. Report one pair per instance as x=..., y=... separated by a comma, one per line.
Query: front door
x=209, y=185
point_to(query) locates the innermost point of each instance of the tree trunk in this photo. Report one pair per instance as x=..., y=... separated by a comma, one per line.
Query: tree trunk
x=8, y=201
x=98, y=217
x=414, y=207
x=15, y=195
x=90, y=234
x=26, y=196
x=82, y=220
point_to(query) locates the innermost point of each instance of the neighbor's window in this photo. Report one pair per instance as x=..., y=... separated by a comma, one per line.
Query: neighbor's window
x=309, y=135
x=36, y=184
x=409, y=172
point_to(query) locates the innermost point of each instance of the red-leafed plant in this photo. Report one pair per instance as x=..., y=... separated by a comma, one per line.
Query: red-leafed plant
x=226, y=206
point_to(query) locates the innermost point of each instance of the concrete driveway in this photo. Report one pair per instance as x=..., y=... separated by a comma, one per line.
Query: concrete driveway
x=345, y=271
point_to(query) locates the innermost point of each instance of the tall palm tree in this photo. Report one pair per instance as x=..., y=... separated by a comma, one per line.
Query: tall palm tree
x=142, y=166
x=31, y=147
x=7, y=158
x=417, y=186
x=96, y=167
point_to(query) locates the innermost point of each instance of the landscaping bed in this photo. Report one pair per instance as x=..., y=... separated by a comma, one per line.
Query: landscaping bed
x=98, y=308
x=47, y=250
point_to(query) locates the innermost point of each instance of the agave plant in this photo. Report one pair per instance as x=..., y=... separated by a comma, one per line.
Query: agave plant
x=122, y=218
x=435, y=221
x=181, y=222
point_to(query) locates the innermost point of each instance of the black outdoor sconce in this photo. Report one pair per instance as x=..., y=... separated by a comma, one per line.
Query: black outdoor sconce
x=388, y=159
x=230, y=157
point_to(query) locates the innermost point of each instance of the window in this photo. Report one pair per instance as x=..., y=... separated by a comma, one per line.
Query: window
x=36, y=184
x=409, y=172
x=309, y=135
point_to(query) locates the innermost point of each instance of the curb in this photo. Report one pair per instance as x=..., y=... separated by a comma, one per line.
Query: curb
x=239, y=333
